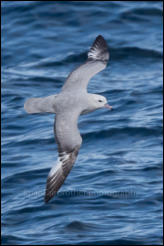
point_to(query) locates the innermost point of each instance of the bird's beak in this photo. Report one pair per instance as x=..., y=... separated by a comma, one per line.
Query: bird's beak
x=108, y=106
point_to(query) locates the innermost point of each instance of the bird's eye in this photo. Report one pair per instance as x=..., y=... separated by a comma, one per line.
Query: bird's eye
x=100, y=100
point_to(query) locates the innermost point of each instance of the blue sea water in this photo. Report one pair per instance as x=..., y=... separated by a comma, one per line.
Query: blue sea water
x=113, y=195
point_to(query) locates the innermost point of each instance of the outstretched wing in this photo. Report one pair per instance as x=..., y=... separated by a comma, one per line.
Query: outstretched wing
x=40, y=105
x=58, y=173
x=98, y=57
x=69, y=141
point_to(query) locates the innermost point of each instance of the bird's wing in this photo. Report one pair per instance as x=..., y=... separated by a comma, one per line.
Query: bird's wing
x=98, y=57
x=40, y=105
x=59, y=172
x=69, y=141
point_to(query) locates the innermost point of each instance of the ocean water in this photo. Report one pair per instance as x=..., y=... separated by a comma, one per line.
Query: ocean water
x=113, y=195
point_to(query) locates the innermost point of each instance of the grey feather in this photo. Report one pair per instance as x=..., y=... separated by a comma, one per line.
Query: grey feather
x=59, y=173
x=98, y=57
x=69, y=141
x=40, y=105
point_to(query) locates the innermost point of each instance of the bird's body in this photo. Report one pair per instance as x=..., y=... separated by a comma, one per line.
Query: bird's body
x=68, y=105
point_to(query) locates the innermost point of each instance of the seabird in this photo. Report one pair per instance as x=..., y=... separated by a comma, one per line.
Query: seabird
x=68, y=105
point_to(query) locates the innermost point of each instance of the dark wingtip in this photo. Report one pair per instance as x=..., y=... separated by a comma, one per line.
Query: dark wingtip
x=100, y=39
x=46, y=199
x=99, y=50
x=48, y=196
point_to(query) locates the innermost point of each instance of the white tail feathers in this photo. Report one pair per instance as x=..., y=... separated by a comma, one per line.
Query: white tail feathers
x=40, y=105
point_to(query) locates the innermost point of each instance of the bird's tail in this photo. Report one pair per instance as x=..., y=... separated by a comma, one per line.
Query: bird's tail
x=40, y=105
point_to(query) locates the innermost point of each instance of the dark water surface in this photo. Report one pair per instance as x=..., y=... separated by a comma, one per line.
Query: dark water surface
x=113, y=194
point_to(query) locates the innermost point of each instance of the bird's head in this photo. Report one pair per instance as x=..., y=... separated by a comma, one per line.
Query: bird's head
x=97, y=102
x=100, y=102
